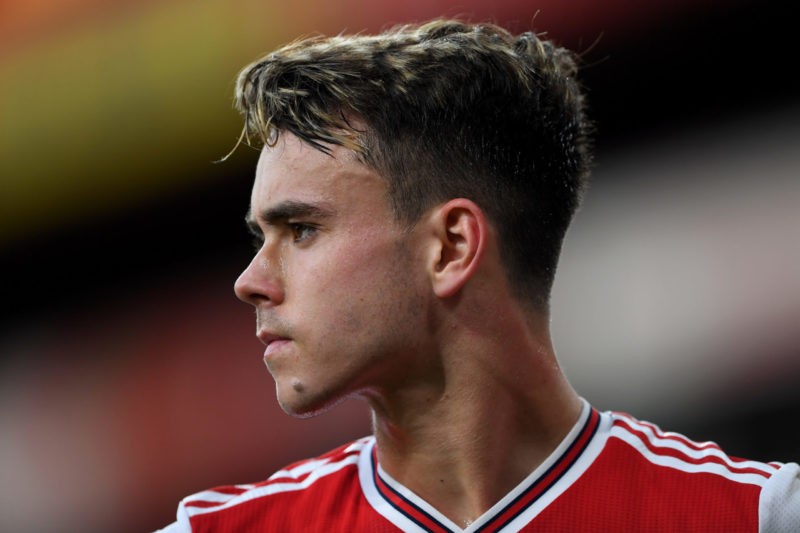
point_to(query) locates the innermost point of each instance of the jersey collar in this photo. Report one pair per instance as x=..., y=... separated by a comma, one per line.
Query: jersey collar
x=409, y=512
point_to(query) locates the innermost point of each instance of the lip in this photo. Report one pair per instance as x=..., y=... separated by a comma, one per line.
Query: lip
x=267, y=336
x=273, y=342
x=274, y=347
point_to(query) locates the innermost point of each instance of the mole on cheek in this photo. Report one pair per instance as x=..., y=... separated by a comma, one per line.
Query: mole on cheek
x=297, y=386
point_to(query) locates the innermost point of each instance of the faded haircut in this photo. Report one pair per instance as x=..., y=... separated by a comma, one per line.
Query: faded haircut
x=442, y=110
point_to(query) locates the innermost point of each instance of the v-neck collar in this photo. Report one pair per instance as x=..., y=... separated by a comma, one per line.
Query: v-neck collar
x=409, y=512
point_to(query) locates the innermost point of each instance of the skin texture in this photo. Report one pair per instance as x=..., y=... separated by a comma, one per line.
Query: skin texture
x=466, y=394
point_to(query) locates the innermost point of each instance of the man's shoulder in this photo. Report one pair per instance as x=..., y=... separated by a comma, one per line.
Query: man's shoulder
x=645, y=467
x=634, y=476
x=308, y=487
x=307, y=471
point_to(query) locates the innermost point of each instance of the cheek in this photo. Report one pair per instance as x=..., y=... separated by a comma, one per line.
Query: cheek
x=357, y=263
x=338, y=274
x=330, y=291
x=352, y=284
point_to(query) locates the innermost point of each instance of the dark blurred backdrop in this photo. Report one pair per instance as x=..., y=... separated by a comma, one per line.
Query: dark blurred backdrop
x=130, y=375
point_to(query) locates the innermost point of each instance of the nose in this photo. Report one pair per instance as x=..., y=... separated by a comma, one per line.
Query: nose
x=258, y=284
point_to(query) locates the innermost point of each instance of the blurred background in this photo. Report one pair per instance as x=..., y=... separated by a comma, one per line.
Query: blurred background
x=130, y=375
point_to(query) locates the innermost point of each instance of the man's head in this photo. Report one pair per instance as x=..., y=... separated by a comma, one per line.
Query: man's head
x=443, y=110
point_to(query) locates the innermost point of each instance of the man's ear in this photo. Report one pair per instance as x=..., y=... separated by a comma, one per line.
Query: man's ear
x=461, y=233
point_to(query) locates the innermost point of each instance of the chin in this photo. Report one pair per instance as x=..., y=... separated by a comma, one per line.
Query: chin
x=304, y=404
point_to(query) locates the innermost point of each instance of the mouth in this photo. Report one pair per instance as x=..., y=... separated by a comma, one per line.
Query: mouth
x=273, y=342
x=268, y=337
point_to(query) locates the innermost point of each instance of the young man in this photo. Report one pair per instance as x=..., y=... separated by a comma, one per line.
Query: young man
x=410, y=202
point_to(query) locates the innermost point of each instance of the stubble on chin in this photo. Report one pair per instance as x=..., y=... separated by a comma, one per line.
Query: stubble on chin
x=301, y=405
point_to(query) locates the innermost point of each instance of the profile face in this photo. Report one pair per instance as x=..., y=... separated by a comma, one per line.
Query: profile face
x=338, y=286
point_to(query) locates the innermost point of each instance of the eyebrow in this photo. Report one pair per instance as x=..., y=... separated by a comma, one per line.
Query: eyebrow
x=285, y=211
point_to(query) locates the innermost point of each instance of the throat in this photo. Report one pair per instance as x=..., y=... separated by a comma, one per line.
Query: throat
x=463, y=475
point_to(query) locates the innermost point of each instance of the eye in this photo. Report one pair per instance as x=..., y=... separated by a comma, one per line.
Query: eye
x=301, y=231
x=257, y=242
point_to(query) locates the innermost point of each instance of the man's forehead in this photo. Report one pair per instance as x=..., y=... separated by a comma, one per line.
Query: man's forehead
x=293, y=163
x=287, y=144
x=294, y=172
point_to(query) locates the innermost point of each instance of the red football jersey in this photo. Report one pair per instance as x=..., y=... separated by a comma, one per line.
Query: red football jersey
x=611, y=473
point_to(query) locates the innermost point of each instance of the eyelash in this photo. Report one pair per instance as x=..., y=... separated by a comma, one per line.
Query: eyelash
x=300, y=232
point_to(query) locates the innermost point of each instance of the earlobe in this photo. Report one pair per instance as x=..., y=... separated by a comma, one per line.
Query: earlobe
x=461, y=231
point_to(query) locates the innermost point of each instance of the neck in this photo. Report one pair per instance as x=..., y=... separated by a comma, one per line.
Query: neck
x=495, y=411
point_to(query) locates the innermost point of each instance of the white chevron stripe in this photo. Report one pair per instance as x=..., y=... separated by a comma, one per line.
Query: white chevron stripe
x=322, y=470
x=680, y=443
